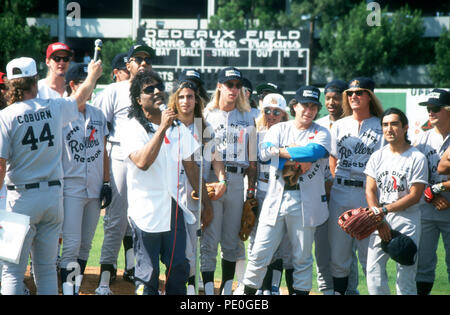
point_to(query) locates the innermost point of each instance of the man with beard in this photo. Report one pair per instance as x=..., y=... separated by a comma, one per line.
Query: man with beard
x=115, y=101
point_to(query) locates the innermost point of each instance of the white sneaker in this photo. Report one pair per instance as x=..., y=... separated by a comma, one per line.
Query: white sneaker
x=103, y=290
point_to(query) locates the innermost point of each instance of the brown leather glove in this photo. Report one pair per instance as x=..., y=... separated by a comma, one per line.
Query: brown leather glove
x=209, y=188
x=359, y=223
x=291, y=172
x=248, y=219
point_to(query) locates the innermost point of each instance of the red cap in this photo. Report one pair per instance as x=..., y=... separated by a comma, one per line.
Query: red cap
x=1, y=77
x=56, y=47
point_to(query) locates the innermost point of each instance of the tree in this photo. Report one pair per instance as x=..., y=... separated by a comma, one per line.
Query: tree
x=21, y=40
x=350, y=47
x=109, y=50
x=440, y=70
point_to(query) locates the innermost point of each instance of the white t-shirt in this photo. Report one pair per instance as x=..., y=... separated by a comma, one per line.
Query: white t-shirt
x=45, y=92
x=395, y=173
x=151, y=191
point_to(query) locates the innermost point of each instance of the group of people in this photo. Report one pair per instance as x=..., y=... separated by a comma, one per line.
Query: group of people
x=150, y=158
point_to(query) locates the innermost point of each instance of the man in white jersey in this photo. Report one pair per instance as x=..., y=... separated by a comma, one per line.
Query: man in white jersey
x=86, y=183
x=396, y=178
x=296, y=208
x=333, y=102
x=114, y=101
x=30, y=157
x=57, y=60
x=232, y=123
x=354, y=138
x=436, y=209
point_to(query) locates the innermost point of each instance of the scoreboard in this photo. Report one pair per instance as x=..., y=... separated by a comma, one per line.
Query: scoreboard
x=278, y=56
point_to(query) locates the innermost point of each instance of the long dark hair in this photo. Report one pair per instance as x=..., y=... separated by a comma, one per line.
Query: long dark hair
x=135, y=110
x=401, y=115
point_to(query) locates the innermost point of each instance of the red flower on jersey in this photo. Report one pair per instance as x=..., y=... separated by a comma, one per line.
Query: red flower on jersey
x=91, y=136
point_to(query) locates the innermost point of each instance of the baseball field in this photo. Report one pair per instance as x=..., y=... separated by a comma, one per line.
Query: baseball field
x=441, y=285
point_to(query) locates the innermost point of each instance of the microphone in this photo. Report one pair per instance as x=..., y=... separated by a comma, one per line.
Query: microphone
x=164, y=107
x=98, y=49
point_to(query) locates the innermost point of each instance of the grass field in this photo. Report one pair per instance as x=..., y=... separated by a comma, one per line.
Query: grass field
x=441, y=284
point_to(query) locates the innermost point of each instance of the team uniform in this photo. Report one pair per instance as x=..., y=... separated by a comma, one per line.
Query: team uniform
x=231, y=140
x=83, y=179
x=31, y=142
x=185, y=191
x=434, y=222
x=294, y=211
x=351, y=144
x=46, y=92
x=394, y=175
x=322, y=248
x=114, y=102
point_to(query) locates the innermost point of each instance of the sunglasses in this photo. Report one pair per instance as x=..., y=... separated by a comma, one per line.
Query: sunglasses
x=151, y=88
x=358, y=93
x=139, y=60
x=230, y=85
x=434, y=109
x=58, y=58
x=275, y=112
x=188, y=85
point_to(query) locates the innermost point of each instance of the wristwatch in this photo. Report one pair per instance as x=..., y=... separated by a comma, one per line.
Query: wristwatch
x=385, y=210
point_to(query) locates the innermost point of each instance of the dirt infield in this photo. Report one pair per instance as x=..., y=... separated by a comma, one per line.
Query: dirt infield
x=118, y=287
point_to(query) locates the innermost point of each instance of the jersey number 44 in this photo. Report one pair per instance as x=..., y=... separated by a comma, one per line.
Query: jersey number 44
x=45, y=135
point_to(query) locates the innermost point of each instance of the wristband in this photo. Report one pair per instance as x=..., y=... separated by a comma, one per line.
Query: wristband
x=223, y=182
x=385, y=210
x=251, y=190
x=437, y=188
x=106, y=183
x=376, y=211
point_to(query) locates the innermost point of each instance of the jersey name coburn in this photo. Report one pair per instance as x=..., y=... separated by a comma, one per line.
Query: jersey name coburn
x=32, y=117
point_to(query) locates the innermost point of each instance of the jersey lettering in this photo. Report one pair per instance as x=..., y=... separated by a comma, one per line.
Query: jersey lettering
x=45, y=135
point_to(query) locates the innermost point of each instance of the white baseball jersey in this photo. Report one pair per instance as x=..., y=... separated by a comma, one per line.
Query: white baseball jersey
x=83, y=153
x=232, y=132
x=395, y=173
x=114, y=102
x=263, y=168
x=312, y=189
x=45, y=92
x=151, y=190
x=325, y=121
x=352, y=145
x=31, y=139
x=433, y=145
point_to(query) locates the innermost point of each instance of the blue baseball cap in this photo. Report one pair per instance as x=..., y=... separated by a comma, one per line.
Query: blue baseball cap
x=400, y=248
x=229, y=73
x=77, y=71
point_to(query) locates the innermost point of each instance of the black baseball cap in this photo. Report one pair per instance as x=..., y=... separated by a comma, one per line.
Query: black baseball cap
x=438, y=97
x=192, y=75
x=137, y=48
x=229, y=73
x=337, y=85
x=308, y=94
x=246, y=82
x=400, y=248
x=364, y=83
x=268, y=87
x=120, y=61
x=77, y=71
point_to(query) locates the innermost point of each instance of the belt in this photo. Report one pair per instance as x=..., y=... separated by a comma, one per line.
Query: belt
x=293, y=187
x=235, y=169
x=34, y=185
x=263, y=180
x=349, y=182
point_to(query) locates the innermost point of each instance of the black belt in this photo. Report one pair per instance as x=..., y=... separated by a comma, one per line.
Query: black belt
x=349, y=182
x=235, y=169
x=293, y=187
x=34, y=185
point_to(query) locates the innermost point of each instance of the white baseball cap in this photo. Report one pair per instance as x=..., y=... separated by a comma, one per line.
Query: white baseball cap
x=21, y=68
x=274, y=100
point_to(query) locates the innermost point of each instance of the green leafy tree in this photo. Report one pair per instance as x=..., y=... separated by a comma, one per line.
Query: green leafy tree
x=111, y=48
x=350, y=47
x=440, y=70
x=19, y=39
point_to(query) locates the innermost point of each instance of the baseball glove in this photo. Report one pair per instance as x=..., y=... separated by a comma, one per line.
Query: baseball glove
x=248, y=219
x=358, y=223
x=291, y=173
x=209, y=188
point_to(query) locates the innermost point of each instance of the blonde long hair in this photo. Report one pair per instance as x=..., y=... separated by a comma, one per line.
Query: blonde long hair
x=261, y=121
x=376, y=109
x=17, y=87
x=242, y=104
